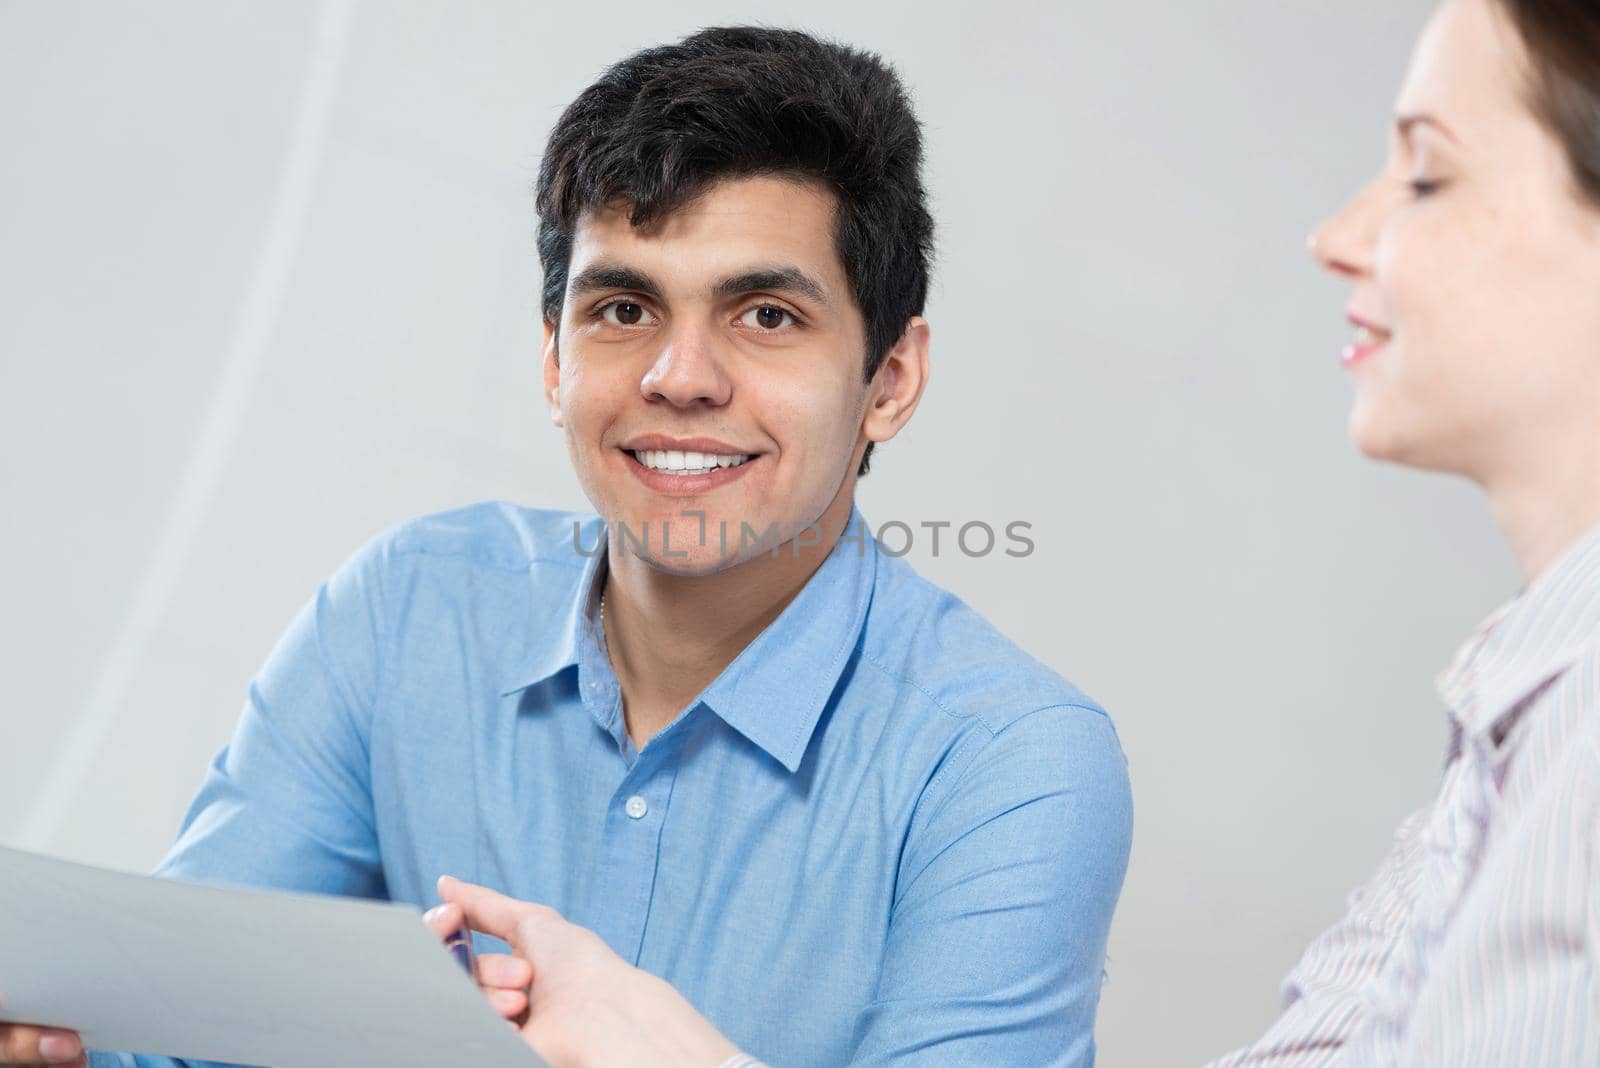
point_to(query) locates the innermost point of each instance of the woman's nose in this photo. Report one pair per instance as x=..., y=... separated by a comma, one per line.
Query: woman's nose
x=1342, y=244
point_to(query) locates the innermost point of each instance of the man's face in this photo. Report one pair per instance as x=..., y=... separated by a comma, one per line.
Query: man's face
x=726, y=330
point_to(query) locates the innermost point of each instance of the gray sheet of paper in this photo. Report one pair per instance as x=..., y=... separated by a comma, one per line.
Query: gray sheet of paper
x=144, y=965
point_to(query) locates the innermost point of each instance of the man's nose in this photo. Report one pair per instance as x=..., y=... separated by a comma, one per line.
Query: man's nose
x=688, y=370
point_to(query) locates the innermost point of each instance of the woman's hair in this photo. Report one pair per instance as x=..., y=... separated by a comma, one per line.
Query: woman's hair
x=1562, y=38
x=661, y=126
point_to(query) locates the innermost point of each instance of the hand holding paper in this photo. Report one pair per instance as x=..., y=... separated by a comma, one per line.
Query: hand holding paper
x=21, y=1044
x=588, y=1007
x=503, y=978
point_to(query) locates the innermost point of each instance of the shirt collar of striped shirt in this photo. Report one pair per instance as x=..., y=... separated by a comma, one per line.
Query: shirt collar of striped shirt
x=1526, y=642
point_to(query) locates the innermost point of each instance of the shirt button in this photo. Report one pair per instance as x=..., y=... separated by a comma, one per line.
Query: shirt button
x=636, y=807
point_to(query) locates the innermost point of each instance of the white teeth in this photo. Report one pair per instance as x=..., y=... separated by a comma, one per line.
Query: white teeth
x=687, y=463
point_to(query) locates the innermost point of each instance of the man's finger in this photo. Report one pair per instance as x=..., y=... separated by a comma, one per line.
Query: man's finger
x=61, y=1047
x=504, y=971
x=20, y=1044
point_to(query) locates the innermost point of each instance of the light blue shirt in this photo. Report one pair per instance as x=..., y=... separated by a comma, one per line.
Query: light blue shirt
x=883, y=835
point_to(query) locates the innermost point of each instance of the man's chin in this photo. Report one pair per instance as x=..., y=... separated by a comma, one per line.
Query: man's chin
x=696, y=560
x=696, y=564
x=688, y=536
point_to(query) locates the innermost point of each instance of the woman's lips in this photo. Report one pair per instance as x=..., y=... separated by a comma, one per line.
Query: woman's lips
x=1368, y=340
x=1355, y=352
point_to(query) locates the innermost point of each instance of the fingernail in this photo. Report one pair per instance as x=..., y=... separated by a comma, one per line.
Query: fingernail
x=56, y=1048
x=433, y=913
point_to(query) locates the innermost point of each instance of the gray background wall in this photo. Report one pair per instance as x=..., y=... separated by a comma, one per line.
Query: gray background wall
x=267, y=285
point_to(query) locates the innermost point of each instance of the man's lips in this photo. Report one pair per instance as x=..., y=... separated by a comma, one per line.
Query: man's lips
x=681, y=483
x=668, y=443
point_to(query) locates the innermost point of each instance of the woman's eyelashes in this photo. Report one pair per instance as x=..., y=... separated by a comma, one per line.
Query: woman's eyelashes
x=1416, y=161
x=1423, y=176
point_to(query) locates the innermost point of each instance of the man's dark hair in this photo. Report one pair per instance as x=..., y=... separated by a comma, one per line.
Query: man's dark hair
x=662, y=125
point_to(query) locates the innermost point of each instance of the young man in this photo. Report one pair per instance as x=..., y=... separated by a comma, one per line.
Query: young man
x=843, y=816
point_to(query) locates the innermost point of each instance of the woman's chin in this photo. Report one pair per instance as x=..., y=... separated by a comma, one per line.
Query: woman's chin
x=1378, y=438
x=1393, y=442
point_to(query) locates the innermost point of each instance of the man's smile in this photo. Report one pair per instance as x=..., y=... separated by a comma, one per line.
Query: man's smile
x=685, y=465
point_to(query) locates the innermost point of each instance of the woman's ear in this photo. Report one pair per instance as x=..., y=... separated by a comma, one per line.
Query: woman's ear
x=897, y=386
x=552, y=373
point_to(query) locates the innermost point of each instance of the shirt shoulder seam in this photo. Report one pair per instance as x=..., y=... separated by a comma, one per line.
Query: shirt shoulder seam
x=512, y=568
x=1086, y=706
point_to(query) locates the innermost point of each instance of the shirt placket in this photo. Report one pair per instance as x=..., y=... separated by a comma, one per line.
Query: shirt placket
x=630, y=846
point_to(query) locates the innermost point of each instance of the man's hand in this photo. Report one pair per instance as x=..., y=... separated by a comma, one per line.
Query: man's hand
x=21, y=1044
x=587, y=1007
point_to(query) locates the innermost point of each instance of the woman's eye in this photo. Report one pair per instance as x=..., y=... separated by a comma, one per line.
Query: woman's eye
x=623, y=313
x=1423, y=187
x=766, y=317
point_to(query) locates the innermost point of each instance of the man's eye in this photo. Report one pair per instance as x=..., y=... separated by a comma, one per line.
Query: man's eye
x=623, y=313
x=766, y=317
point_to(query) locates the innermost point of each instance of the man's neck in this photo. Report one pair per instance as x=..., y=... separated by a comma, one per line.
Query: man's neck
x=670, y=636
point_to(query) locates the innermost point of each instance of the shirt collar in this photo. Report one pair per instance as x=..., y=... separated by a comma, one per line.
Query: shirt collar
x=1527, y=641
x=552, y=641
x=774, y=692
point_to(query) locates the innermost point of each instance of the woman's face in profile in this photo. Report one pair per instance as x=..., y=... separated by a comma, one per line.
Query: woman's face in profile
x=1474, y=264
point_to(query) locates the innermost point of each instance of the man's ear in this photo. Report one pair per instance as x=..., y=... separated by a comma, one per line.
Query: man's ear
x=552, y=372
x=895, y=390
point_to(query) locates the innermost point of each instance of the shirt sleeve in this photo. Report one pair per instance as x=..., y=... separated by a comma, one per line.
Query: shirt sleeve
x=1008, y=879
x=1323, y=995
x=287, y=803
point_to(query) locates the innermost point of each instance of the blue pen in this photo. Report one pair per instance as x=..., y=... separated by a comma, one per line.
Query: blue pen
x=460, y=946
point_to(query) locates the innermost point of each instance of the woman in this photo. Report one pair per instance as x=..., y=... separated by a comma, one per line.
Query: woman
x=1474, y=265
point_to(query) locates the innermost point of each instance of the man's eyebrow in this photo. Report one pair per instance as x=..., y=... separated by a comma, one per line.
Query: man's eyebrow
x=775, y=279
x=1404, y=124
x=599, y=277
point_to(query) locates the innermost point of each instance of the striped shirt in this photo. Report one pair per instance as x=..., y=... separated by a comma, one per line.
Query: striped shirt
x=1478, y=940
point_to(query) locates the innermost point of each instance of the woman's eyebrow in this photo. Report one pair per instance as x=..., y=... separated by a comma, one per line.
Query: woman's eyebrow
x=1405, y=123
x=784, y=279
